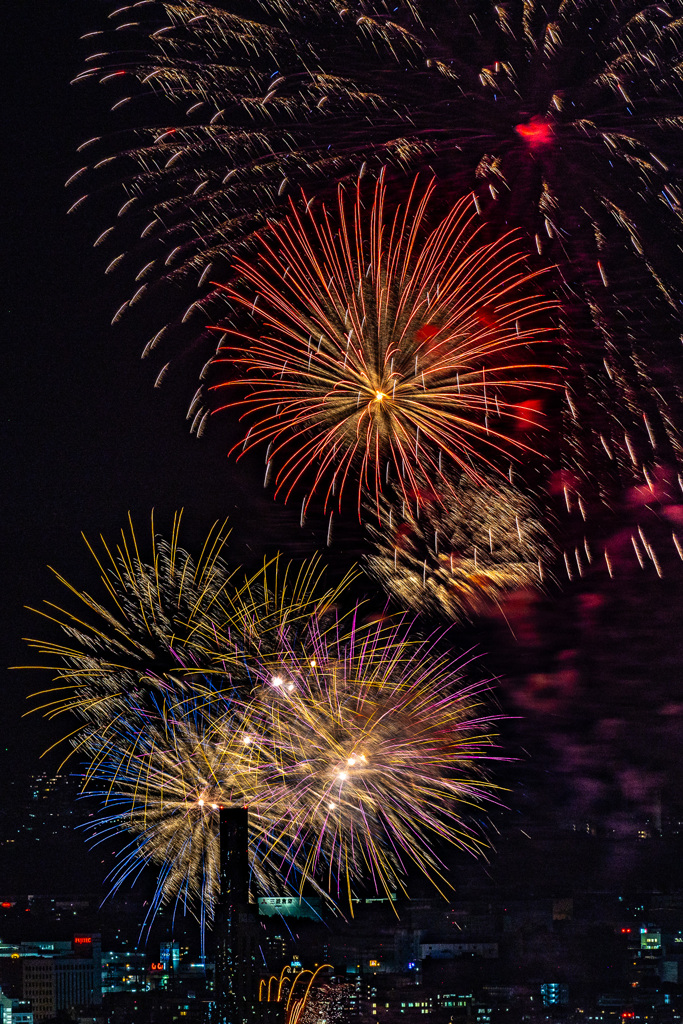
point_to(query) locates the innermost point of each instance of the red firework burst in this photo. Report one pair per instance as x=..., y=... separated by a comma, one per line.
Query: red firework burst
x=384, y=344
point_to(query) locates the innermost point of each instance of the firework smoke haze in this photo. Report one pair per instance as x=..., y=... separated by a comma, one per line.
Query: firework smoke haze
x=463, y=558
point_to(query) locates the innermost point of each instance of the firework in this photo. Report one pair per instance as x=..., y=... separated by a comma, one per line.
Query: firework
x=379, y=746
x=461, y=559
x=569, y=109
x=294, y=989
x=173, y=629
x=161, y=787
x=330, y=1002
x=359, y=752
x=357, y=747
x=564, y=116
x=384, y=344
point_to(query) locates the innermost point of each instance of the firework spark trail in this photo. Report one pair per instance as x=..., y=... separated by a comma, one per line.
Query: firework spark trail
x=281, y=990
x=598, y=80
x=164, y=787
x=174, y=631
x=463, y=558
x=357, y=746
x=358, y=757
x=384, y=344
x=564, y=116
x=377, y=742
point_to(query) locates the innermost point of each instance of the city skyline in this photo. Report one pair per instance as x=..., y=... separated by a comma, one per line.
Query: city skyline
x=586, y=666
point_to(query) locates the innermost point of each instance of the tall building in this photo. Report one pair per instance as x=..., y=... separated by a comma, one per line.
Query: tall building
x=236, y=924
x=59, y=982
x=554, y=993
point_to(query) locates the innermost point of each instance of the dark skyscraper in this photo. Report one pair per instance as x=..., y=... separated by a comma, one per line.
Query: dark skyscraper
x=236, y=924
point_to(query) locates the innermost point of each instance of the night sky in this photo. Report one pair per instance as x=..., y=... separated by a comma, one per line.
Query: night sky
x=88, y=439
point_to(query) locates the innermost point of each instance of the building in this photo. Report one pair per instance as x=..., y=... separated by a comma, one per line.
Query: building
x=451, y=950
x=14, y=1011
x=51, y=805
x=169, y=956
x=22, y=1012
x=554, y=993
x=124, y=971
x=64, y=979
x=236, y=924
x=290, y=906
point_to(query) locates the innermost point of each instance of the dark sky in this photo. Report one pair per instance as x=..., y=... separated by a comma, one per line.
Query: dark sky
x=88, y=439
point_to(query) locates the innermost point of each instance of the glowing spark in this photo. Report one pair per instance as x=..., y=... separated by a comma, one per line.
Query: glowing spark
x=482, y=553
x=325, y=414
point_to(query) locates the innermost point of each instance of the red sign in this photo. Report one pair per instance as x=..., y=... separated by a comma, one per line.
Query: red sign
x=81, y=940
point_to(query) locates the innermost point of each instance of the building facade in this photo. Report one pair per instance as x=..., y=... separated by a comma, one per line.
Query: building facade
x=65, y=979
x=236, y=924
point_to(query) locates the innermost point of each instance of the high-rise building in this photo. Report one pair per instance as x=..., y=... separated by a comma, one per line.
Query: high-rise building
x=59, y=982
x=124, y=971
x=236, y=924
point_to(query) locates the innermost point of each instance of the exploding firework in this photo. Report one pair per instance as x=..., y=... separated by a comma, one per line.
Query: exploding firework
x=356, y=746
x=463, y=558
x=358, y=752
x=571, y=110
x=564, y=116
x=295, y=990
x=163, y=782
x=385, y=344
x=174, y=629
x=380, y=746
